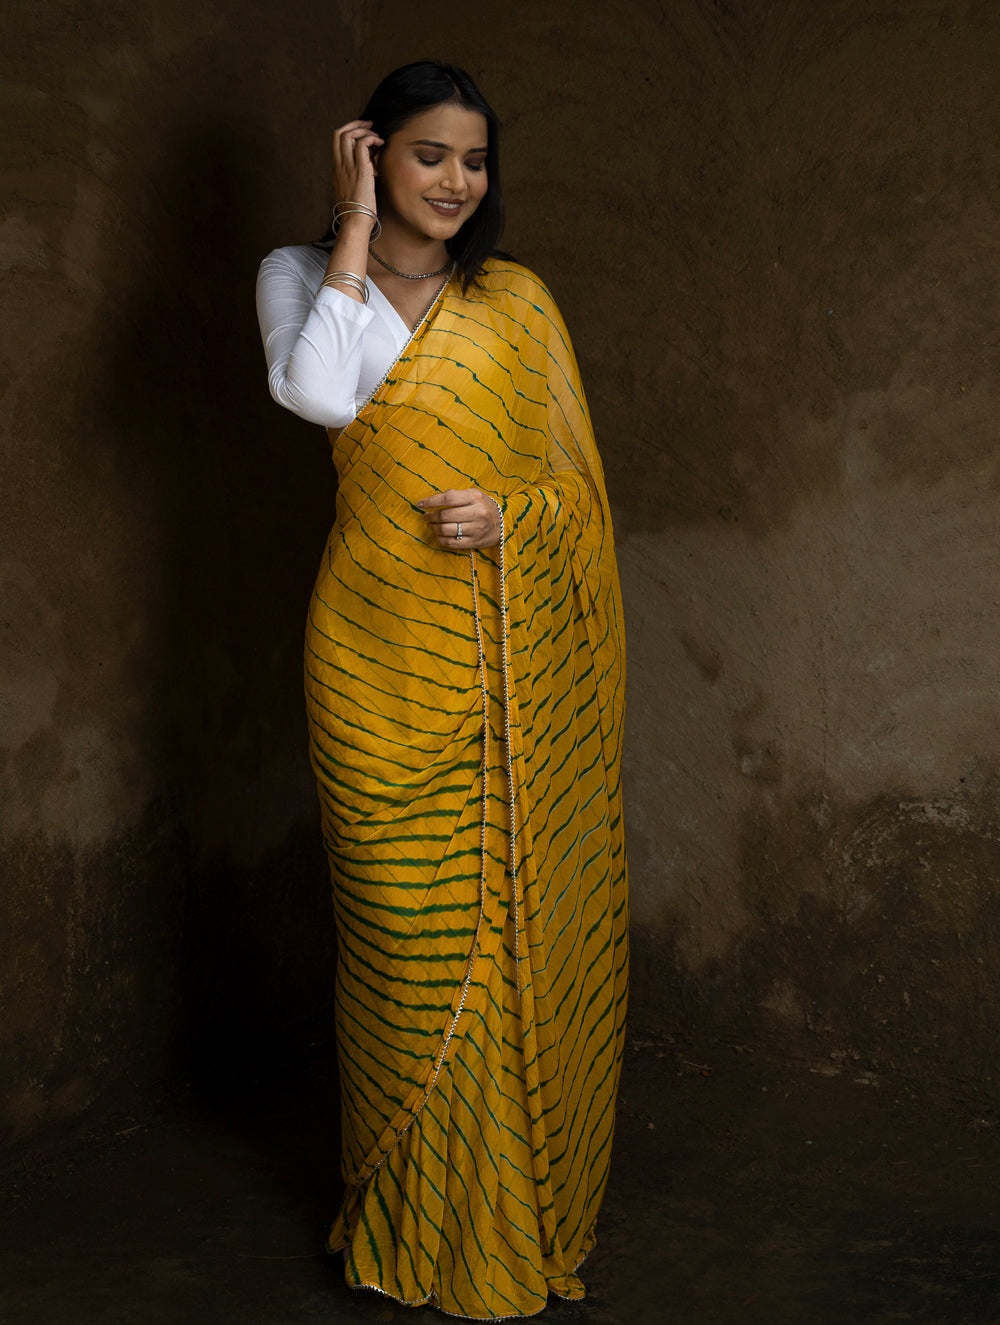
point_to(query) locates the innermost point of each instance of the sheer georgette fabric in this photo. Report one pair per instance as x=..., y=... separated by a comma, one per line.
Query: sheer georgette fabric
x=465, y=714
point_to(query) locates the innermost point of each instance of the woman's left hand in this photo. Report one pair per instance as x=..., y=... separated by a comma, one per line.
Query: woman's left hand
x=462, y=518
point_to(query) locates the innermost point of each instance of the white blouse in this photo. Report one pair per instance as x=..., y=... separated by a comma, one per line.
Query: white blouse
x=326, y=353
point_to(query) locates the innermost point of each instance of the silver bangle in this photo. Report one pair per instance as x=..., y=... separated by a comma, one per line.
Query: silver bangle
x=346, y=278
x=350, y=208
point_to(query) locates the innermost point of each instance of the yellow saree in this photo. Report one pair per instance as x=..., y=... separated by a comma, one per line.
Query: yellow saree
x=465, y=716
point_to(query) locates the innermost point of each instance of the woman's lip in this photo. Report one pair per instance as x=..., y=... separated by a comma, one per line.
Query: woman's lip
x=445, y=204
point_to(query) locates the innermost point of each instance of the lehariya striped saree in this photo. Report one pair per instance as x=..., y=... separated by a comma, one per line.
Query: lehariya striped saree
x=465, y=715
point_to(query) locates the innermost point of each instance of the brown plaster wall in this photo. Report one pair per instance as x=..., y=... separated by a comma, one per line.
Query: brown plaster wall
x=773, y=231
x=811, y=557
x=163, y=521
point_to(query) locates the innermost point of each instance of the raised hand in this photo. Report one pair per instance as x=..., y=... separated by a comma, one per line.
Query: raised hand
x=353, y=170
x=465, y=511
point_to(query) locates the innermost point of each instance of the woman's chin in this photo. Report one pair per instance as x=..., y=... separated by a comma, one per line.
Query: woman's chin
x=437, y=228
x=443, y=227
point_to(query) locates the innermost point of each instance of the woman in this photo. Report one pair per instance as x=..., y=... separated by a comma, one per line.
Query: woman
x=464, y=679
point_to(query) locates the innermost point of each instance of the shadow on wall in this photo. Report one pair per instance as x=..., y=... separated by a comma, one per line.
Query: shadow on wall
x=242, y=519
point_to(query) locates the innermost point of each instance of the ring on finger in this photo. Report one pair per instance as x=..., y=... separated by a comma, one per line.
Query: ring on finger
x=458, y=534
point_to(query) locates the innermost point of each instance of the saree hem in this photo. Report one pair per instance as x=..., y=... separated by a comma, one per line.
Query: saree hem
x=431, y=1301
x=431, y=1297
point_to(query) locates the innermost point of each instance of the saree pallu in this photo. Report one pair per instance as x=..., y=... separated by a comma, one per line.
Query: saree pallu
x=465, y=716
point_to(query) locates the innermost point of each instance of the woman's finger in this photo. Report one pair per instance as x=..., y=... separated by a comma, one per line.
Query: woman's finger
x=458, y=529
x=347, y=132
x=361, y=142
x=451, y=514
x=352, y=127
x=454, y=499
x=352, y=145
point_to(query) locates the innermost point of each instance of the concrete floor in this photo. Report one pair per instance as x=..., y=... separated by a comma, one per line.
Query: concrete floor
x=745, y=1189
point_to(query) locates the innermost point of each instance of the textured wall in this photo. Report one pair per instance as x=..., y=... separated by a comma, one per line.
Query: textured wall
x=773, y=230
x=811, y=556
x=163, y=521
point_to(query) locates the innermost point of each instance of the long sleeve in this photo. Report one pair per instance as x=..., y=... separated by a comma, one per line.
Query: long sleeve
x=313, y=338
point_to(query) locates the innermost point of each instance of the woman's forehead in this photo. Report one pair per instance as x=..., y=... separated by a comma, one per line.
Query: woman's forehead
x=447, y=125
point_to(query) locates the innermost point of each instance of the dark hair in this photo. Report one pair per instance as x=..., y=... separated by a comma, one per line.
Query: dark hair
x=417, y=87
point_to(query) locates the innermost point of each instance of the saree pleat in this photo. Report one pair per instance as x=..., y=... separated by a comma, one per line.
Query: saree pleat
x=465, y=715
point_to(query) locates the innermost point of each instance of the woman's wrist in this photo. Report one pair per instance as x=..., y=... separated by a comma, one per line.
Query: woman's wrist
x=355, y=215
x=350, y=282
x=356, y=223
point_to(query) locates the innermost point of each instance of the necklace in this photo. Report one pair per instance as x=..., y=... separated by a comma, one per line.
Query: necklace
x=420, y=276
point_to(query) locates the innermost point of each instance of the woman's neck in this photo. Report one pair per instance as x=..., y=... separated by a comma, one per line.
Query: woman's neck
x=409, y=251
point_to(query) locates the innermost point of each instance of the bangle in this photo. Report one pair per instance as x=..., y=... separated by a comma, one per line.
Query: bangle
x=346, y=278
x=349, y=208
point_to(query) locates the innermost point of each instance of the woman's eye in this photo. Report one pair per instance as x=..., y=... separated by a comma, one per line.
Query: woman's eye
x=475, y=165
x=424, y=162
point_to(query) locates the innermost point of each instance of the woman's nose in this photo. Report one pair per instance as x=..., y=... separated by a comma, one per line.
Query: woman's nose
x=452, y=178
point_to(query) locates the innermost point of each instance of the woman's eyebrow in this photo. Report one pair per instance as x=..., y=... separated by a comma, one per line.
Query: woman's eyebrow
x=444, y=147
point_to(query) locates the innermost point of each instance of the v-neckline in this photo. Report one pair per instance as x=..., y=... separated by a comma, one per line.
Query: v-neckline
x=409, y=335
x=388, y=304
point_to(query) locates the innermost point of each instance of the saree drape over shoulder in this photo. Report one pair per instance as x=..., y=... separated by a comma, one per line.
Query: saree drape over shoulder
x=465, y=714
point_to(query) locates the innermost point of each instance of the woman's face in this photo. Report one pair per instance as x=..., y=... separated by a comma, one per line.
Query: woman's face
x=432, y=171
